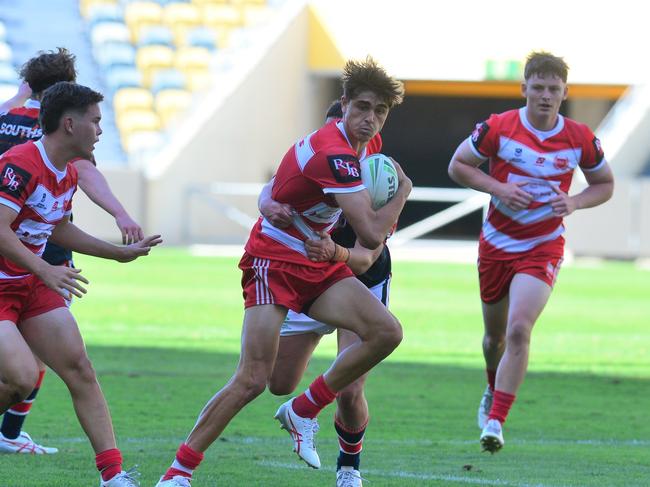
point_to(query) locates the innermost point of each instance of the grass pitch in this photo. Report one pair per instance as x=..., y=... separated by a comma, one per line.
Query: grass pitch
x=163, y=334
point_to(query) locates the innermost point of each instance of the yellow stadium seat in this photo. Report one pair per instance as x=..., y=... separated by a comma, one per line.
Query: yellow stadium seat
x=210, y=2
x=138, y=15
x=198, y=79
x=255, y=14
x=248, y=2
x=169, y=103
x=137, y=120
x=132, y=98
x=151, y=59
x=222, y=16
x=192, y=58
x=181, y=14
x=86, y=5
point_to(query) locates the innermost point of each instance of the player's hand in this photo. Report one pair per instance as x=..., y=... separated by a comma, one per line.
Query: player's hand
x=513, y=196
x=131, y=231
x=403, y=181
x=279, y=214
x=64, y=280
x=24, y=90
x=562, y=204
x=320, y=250
x=138, y=249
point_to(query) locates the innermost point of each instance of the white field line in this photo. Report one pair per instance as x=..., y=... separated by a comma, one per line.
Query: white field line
x=248, y=440
x=413, y=475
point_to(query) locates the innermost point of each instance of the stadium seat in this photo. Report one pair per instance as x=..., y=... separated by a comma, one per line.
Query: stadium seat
x=222, y=16
x=167, y=79
x=198, y=79
x=181, y=14
x=151, y=59
x=104, y=12
x=210, y=2
x=155, y=35
x=5, y=52
x=106, y=32
x=8, y=74
x=115, y=54
x=201, y=37
x=140, y=14
x=86, y=6
x=169, y=103
x=123, y=77
x=137, y=120
x=189, y=58
x=132, y=98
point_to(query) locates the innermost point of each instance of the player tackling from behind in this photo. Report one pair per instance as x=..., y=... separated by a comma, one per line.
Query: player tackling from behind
x=36, y=187
x=532, y=153
x=319, y=177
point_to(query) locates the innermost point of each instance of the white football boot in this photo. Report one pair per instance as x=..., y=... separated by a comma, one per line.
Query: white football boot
x=484, y=407
x=176, y=481
x=122, y=479
x=492, y=436
x=348, y=477
x=24, y=444
x=302, y=431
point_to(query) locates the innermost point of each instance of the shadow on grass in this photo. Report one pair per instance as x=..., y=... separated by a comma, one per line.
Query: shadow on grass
x=565, y=429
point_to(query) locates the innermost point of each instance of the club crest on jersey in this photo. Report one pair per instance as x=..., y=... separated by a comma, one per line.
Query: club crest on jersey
x=345, y=167
x=540, y=161
x=13, y=180
x=480, y=131
x=561, y=163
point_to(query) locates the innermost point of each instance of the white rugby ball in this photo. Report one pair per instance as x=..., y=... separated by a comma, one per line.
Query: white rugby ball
x=379, y=176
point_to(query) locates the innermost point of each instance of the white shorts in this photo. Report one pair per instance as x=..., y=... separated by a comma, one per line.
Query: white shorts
x=299, y=323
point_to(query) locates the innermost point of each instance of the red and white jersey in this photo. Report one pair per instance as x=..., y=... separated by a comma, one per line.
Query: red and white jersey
x=41, y=195
x=314, y=169
x=543, y=159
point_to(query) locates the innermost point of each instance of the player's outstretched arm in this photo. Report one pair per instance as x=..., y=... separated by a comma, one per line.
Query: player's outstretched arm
x=279, y=214
x=94, y=184
x=464, y=170
x=358, y=258
x=372, y=226
x=61, y=279
x=69, y=236
x=18, y=100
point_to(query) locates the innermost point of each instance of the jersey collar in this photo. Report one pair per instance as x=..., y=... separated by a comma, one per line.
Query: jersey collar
x=46, y=160
x=31, y=103
x=541, y=134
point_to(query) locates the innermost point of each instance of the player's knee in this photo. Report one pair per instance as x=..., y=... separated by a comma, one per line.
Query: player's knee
x=21, y=384
x=519, y=334
x=494, y=342
x=250, y=385
x=389, y=334
x=80, y=370
x=280, y=387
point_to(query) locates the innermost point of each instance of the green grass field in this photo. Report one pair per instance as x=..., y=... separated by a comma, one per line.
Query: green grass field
x=163, y=334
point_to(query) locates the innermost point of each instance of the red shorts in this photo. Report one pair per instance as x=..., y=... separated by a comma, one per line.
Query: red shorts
x=293, y=286
x=25, y=298
x=495, y=276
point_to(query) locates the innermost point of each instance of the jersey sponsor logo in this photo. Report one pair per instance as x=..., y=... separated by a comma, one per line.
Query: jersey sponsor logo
x=345, y=167
x=479, y=133
x=49, y=207
x=598, y=148
x=22, y=131
x=14, y=180
x=540, y=161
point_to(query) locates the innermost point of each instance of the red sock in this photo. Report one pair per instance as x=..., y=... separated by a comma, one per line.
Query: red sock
x=501, y=406
x=491, y=377
x=109, y=463
x=185, y=463
x=314, y=399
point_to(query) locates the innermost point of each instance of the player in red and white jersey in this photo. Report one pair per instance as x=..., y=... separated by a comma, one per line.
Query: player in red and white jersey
x=319, y=177
x=36, y=188
x=19, y=123
x=533, y=153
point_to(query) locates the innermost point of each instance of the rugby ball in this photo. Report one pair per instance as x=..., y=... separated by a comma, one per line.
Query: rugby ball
x=379, y=176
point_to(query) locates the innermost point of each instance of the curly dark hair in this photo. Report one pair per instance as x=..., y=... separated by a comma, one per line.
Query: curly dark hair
x=367, y=75
x=47, y=68
x=63, y=97
x=542, y=62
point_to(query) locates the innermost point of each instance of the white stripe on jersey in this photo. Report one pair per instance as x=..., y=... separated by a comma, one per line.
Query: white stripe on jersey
x=538, y=164
x=524, y=217
x=304, y=151
x=508, y=244
x=283, y=237
x=596, y=167
x=10, y=204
